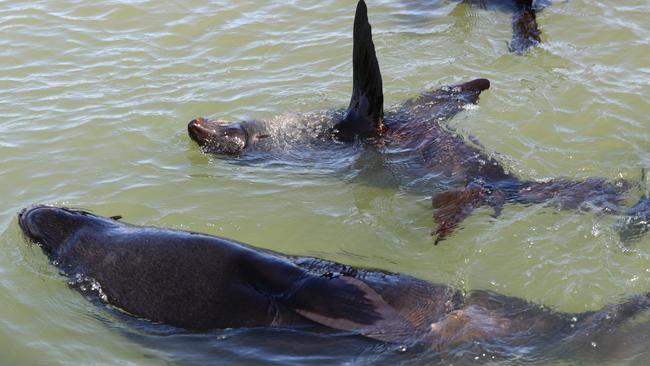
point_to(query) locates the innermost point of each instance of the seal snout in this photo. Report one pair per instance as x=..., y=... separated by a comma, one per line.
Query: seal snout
x=51, y=226
x=217, y=136
x=196, y=129
x=26, y=221
x=25, y=214
x=21, y=216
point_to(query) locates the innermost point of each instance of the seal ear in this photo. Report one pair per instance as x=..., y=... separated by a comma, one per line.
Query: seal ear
x=365, y=113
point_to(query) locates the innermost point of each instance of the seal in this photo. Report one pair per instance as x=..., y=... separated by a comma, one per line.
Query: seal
x=365, y=114
x=525, y=31
x=199, y=282
x=420, y=150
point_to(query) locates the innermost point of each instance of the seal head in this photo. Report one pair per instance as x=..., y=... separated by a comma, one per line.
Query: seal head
x=54, y=227
x=219, y=137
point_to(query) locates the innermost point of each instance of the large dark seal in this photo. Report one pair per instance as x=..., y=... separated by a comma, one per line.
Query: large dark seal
x=416, y=147
x=199, y=282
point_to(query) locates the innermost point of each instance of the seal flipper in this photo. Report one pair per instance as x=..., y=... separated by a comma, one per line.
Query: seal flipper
x=365, y=113
x=336, y=301
x=347, y=303
x=525, y=32
x=450, y=208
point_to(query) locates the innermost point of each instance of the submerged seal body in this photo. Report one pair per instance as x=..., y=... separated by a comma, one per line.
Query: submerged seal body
x=199, y=282
x=416, y=146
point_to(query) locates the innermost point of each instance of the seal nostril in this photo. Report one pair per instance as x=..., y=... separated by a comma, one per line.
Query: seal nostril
x=196, y=121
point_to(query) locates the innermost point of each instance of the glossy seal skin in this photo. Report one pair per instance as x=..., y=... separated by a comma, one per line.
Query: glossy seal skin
x=199, y=282
x=416, y=147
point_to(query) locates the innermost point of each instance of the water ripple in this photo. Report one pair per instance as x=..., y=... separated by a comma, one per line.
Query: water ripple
x=95, y=101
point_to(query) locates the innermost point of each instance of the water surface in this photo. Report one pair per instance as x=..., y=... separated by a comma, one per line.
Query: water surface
x=96, y=98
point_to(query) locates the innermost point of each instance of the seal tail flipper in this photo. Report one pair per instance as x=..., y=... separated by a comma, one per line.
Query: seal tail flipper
x=366, y=110
x=525, y=32
x=451, y=208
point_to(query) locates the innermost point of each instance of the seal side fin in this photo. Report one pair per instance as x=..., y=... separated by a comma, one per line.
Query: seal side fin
x=451, y=208
x=366, y=110
x=365, y=312
x=334, y=300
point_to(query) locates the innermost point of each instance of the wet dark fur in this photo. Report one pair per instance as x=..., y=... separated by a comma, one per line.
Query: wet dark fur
x=200, y=282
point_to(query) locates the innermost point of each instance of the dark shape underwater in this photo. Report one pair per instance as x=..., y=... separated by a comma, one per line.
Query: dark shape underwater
x=201, y=282
x=415, y=145
x=525, y=31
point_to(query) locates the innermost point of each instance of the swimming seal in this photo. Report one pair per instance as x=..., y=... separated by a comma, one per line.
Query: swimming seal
x=200, y=282
x=416, y=147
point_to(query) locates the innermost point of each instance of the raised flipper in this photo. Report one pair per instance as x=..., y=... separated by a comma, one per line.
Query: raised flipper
x=525, y=32
x=450, y=208
x=365, y=113
x=334, y=300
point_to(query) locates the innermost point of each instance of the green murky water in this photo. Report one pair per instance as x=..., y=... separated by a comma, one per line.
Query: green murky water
x=95, y=100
